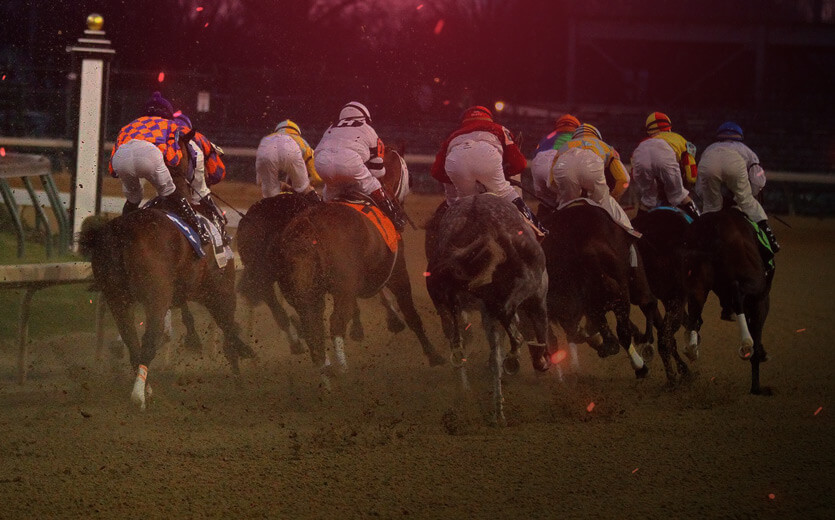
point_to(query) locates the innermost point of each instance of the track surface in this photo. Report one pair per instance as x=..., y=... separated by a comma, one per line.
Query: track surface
x=394, y=439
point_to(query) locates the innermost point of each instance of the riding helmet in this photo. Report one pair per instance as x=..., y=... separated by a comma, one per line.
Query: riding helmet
x=288, y=127
x=658, y=122
x=354, y=110
x=587, y=130
x=566, y=123
x=158, y=106
x=729, y=131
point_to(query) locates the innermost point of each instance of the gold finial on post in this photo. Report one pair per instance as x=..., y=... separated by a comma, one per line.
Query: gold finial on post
x=95, y=22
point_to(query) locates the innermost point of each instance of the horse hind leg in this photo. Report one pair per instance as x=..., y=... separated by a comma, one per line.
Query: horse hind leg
x=221, y=307
x=284, y=322
x=746, y=349
x=192, y=340
x=624, y=332
x=344, y=309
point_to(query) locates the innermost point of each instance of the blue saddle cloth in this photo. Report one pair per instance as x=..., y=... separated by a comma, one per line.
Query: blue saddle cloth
x=187, y=231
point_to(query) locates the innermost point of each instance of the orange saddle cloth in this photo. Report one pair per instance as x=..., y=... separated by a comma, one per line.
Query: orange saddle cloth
x=380, y=221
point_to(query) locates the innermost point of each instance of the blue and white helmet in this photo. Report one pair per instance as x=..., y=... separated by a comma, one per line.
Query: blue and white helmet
x=354, y=110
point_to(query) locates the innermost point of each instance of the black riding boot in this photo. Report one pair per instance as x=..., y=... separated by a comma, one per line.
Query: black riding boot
x=129, y=207
x=394, y=212
x=528, y=214
x=770, y=234
x=690, y=209
x=217, y=217
x=181, y=207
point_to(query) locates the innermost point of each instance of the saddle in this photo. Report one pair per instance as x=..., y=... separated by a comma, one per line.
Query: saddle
x=221, y=253
x=681, y=213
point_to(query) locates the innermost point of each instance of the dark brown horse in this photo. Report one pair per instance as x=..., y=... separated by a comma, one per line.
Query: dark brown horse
x=588, y=260
x=333, y=249
x=482, y=250
x=723, y=256
x=143, y=258
x=662, y=249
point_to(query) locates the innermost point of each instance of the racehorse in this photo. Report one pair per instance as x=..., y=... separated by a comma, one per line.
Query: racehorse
x=482, y=249
x=143, y=258
x=334, y=249
x=722, y=255
x=264, y=221
x=591, y=271
x=662, y=249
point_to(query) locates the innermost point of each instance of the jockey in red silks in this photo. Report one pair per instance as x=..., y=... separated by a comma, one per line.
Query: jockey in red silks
x=349, y=158
x=664, y=160
x=285, y=157
x=208, y=171
x=144, y=149
x=480, y=155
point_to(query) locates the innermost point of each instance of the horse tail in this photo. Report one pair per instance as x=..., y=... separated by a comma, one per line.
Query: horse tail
x=256, y=276
x=91, y=235
x=296, y=257
x=473, y=264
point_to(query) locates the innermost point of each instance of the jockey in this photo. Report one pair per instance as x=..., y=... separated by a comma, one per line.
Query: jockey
x=544, y=155
x=284, y=156
x=661, y=161
x=580, y=170
x=208, y=170
x=480, y=155
x=349, y=158
x=731, y=164
x=144, y=149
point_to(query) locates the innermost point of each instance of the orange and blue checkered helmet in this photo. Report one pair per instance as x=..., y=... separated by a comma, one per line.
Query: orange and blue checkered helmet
x=658, y=122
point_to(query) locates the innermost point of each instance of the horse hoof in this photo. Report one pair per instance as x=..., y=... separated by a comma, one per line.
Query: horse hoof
x=745, y=352
x=457, y=359
x=542, y=364
x=642, y=372
x=646, y=351
x=511, y=365
x=763, y=390
x=435, y=359
x=395, y=324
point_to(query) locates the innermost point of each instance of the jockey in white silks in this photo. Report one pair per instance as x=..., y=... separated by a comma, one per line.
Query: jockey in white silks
x=349, y=158
x=663, y=161
x=730, y=163
x=544, y=155
x=579, y=170
x=285, y=157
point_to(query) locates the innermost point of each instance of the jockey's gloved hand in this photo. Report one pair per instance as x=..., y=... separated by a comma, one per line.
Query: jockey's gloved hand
x=313, y=196
x=129, y=207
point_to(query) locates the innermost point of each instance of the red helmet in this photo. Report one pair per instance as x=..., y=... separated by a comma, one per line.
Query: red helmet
x=476, y=113
x=567, y=123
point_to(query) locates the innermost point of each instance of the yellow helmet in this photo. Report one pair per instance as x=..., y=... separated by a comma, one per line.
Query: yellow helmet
x=587, y=130
x=288, y=127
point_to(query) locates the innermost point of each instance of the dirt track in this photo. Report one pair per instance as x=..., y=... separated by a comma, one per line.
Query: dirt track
x=393, y=440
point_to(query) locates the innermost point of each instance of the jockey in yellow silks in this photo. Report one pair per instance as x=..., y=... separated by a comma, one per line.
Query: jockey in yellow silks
x=587, y=167
x=284, y=156
x=664, y=160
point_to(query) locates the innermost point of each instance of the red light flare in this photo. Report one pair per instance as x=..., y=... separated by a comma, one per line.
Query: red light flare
x=199, y=9
x=161, y=77
x=205, y=25
x=427, y=274
x=4, y=78
x=2, y=151
x=439, y=26
x=772, y=496
x=419, y=7
x=590, y=407
x=558, y=356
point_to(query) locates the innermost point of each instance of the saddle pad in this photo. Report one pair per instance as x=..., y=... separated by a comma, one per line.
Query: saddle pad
x=380, y=221
x=191, y=235
x=763, y=243
x=681, y=213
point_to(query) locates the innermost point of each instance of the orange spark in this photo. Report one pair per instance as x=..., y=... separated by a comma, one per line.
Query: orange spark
x=590, y=407
x=558, y=356
x=439, y=26
x=818, y=410
x=771, y=496
x=635, y=471
x=468, y=326
x=800, y=330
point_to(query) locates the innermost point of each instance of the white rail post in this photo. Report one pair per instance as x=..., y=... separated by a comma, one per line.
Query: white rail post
x=95, y=54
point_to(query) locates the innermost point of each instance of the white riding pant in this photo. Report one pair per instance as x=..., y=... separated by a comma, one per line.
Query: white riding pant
x=343, y=171
x=279, y=159
x=724, y=166
x=579, y=170
x=654, y=162
x=136, y=160
x=541, y=171
x=473, y=164
x=199, y=188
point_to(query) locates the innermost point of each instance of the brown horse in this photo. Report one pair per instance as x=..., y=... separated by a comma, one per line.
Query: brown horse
x=722, y=255
x=333, y=249
x=143, y=258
